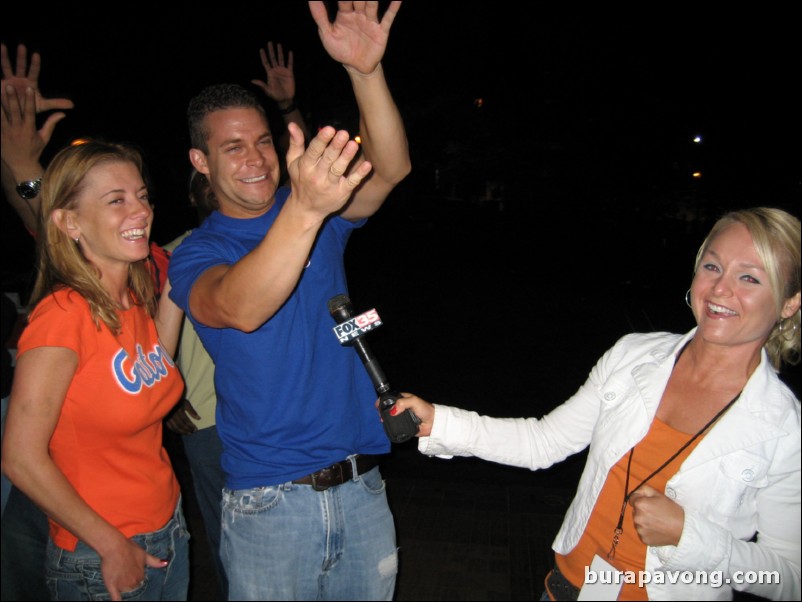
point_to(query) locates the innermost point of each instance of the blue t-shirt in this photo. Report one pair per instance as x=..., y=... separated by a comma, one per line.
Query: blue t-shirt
x=291, y=399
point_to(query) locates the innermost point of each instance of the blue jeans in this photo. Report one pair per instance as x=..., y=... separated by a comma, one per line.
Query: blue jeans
x=203, y=449
x=23, y=540
x=77, y=575
x=290, y=542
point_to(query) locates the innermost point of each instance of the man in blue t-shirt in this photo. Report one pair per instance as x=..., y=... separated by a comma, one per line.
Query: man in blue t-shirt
x=304, y=510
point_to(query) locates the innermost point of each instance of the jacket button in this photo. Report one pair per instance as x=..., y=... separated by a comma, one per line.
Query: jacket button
x=609, y=396
x=671, y=493
x=747, y=475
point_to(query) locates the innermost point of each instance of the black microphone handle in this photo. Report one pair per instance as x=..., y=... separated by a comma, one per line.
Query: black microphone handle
x=399, y=427
x=375, y=371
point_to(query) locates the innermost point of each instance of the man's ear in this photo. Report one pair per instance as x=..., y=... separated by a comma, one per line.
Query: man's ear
x=198, y=159
x=64, y=219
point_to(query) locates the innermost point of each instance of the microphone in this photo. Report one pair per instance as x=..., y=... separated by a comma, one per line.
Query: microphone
x=350, y=330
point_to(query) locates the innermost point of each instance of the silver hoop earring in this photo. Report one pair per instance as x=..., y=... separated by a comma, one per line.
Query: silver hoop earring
x=782, y=322
x=688, y=299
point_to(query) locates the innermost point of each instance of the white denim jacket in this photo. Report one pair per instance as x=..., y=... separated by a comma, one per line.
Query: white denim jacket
x=743, y=477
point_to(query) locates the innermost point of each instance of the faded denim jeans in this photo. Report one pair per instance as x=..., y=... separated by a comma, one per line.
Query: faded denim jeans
x=77, y=576
x=290, y=542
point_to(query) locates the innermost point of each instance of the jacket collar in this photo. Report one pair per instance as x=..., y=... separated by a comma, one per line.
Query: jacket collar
x=756, y=416
x=652, y=377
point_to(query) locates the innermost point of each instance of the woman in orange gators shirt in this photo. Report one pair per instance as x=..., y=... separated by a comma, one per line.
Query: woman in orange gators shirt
x=94, y=379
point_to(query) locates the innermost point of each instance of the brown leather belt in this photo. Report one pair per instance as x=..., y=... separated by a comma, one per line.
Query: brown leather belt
x=338, y=473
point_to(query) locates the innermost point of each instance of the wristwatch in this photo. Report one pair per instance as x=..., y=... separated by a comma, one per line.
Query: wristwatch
x=29, y=188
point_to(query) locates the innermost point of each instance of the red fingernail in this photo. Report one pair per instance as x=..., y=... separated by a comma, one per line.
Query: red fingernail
x=393, y=411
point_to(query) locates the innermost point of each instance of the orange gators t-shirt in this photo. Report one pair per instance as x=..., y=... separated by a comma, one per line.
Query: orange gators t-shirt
x=108, y=439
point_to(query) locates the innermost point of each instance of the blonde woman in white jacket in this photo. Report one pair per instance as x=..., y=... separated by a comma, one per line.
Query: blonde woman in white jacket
x=692, y=483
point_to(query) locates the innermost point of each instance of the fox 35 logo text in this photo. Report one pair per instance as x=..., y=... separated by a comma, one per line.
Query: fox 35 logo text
x=357, y=326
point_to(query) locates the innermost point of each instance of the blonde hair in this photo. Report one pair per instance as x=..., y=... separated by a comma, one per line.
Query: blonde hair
x=776, y=235
x=61, y=263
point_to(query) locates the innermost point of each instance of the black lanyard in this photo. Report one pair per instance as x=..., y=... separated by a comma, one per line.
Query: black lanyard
x=619, y=530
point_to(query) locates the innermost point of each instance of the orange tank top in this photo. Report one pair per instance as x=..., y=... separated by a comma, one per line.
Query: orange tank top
x=656, y=447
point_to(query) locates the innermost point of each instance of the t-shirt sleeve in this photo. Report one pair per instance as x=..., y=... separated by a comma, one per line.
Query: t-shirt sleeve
x=196, y=254
x=158, y=262
x=343, y=227
x=59, y=320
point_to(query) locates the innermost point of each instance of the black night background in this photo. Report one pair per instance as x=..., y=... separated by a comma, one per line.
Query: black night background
x=568, y=160
x=553, y=152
